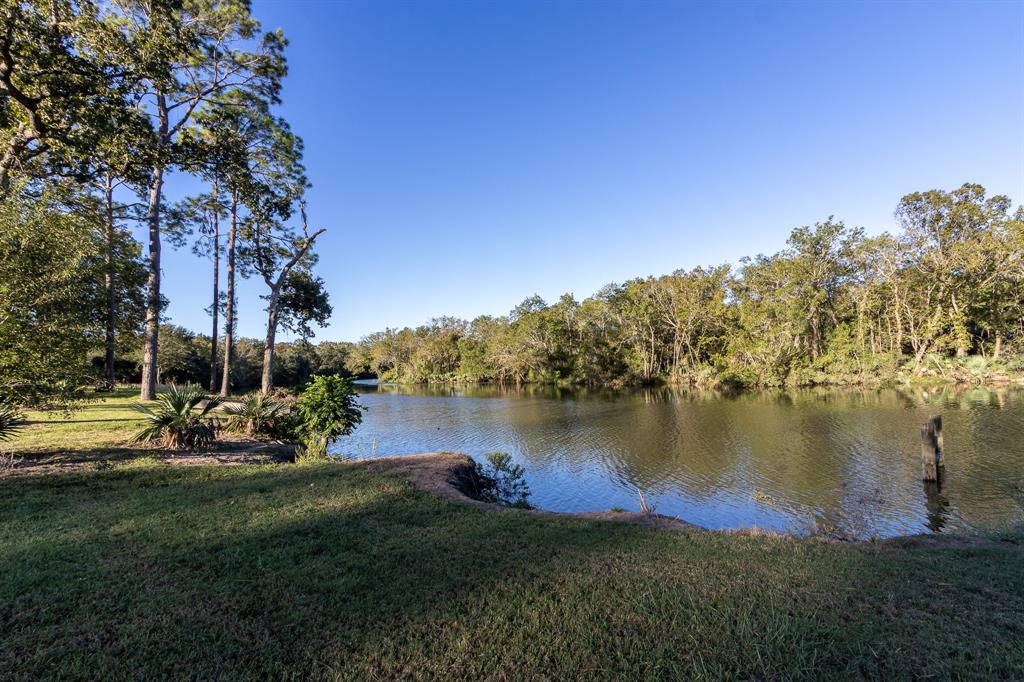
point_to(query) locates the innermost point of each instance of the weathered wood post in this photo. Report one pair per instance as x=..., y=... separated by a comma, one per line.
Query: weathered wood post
x=936, y=505
x=931, y=448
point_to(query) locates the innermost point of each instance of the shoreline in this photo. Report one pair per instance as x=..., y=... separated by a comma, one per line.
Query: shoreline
x=449, y=474
x=1001, y=381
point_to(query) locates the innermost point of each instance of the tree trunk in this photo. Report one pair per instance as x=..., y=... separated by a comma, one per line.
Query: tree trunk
x=16, y=146
x=216, y=285
x=149, y=355
x=998, y=347
x=958, y=325
x=156, y=184
x=108, y=275
x=267, y=383
x=229, y=312
x=272, y=304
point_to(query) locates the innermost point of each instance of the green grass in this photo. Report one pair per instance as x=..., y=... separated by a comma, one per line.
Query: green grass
x=104, y=423
x=97, y=429
x=289, y=571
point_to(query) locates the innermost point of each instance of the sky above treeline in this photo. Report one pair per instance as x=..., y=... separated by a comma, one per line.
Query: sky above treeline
x=466, y=155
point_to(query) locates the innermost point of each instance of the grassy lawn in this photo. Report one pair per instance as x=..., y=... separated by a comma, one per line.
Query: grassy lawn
x=99, y=424
x=99, y=430
x=331, y=571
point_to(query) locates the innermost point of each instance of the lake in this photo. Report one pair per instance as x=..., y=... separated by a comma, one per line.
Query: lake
x=844, y=461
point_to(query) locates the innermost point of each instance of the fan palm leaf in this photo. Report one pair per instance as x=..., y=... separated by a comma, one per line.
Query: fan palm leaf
x=180, y=419
x=11, y=421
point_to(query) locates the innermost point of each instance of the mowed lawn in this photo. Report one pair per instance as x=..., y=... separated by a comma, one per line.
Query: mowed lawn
x=99, y=425
x=330, y=571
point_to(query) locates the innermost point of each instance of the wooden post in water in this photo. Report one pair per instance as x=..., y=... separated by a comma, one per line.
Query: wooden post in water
x=931, y=449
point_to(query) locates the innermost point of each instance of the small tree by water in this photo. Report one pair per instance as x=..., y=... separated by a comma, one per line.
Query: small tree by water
x=502, y=481
x=326, y=410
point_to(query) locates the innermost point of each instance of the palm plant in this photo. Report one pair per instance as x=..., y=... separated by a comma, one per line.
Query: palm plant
x=11, y=421
x=258, y=415
x=180, y=419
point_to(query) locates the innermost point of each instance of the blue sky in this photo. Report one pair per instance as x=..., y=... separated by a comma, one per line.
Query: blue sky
x=465, y=155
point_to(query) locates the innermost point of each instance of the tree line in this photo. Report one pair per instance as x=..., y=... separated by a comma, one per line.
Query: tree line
x=185, y=359
x=943, y=297
x=99, y=102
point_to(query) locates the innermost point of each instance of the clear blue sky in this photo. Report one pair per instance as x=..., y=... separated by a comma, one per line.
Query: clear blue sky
x=465, y=155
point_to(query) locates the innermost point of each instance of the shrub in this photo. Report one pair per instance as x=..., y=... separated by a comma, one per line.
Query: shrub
x=176, y=421
x=501, y=481
x=326, y=410
x=261, y=416
x=11, y=421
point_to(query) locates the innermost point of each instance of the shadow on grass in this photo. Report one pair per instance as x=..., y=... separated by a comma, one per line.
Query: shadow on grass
x=329, y=571
x=124, y=392
x=43, y=463
x=48, y=422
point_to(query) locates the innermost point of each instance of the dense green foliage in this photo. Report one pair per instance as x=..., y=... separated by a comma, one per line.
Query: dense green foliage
x=184, y=358
x=834, y=307
x=52, y=269
x=181, y=419
x=326, y=409
x=335, y=572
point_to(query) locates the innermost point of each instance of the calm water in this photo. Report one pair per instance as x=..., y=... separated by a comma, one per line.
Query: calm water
x=837, y=459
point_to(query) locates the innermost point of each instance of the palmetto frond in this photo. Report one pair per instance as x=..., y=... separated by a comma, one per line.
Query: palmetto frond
x=180, y=418
x=11, y=421
x=258, y=414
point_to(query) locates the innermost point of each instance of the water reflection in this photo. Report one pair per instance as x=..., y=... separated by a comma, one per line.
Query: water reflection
x=785, y=460
x=936, y=504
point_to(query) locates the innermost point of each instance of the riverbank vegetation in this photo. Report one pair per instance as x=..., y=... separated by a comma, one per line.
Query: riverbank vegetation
x=943, y=299
x=339, y=571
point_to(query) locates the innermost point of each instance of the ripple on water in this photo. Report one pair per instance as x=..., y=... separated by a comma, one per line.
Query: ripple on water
x=848, y=460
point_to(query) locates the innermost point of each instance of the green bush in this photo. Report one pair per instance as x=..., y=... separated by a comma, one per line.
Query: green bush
x=326, y=410
x=178, y=420
x=501, y=481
